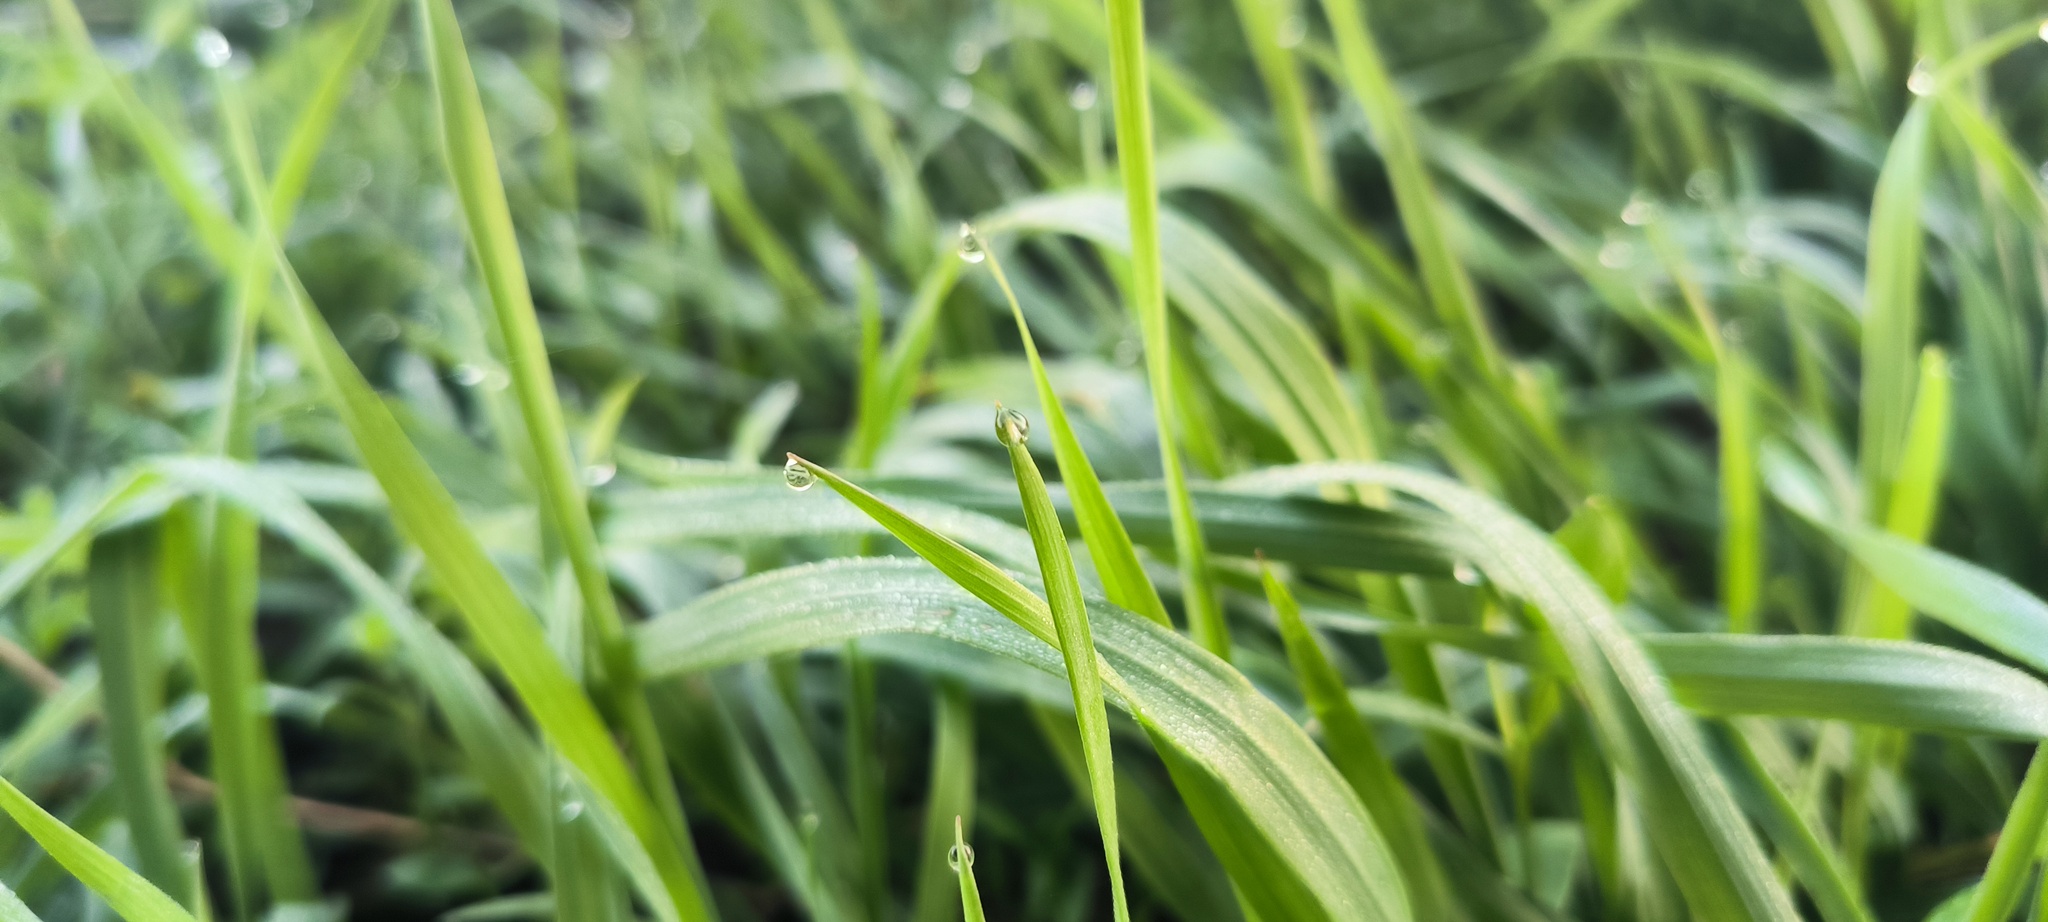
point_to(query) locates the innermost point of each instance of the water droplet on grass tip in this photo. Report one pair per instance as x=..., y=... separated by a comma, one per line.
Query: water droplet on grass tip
x=955, y=854
x=598, y=475
x=1921, y=81
x=967, y=57
x=1465, y=572
x=273, y=15
x=798, y=475
x=1616, y=254
x=1082, y=96
x=469, y=375
x=1703, y=186
x=571, y=810
x=970, y=244
x=212, y=48
x=1012, y=428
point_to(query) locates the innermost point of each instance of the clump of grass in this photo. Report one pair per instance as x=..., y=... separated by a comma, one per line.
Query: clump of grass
x=1580, y=464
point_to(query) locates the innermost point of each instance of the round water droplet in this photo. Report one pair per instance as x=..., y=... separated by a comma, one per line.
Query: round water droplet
x=1731, y=333
x=1465, y=572
x=1082, y=96
x=956, y=95
x=212, y=48
x=1128, y=352
x=2043, y=33
x=1293, y=31
x=967, y=57
x=1751, y=265
x=598, y=475
x=1703, y=186
x=273, y=15
x=798, y=475
x=1012, y=428
x=469, y=375
x=495, y=380
x=970, y=244
x=1921, y=81
x=382, y=327
x=954, y=856
x=1616, y=254
x=1640, y=210
x=571, y=809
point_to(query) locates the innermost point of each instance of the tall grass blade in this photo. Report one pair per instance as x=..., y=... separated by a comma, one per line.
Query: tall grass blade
x=130, y=896
x=126, y=616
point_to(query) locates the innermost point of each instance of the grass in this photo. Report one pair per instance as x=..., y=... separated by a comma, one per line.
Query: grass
x=1557, y=461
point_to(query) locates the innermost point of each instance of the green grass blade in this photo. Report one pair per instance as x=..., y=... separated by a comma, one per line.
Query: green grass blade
x=1969, y=598
x=1916, y=489
x=962, y=859
x=949, y=793
x=2012, y=861
x=131, y=897
x=12, y=909
x=1814, y=862
x=1109, y=545
x=1133, y=105
x=1742, y=533
x=1891, y=311
x=125, y=608
x=1357, y=754
x=1076, y=641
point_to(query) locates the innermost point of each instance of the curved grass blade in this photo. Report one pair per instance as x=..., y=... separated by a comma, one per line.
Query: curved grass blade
x=125, y=606
x=12, y=909
x=1700, y=834
x=127, y=892
x=962, y=859
x=1109, y=545
x=2012, y=861
x=1076, y=641
x=949, y=793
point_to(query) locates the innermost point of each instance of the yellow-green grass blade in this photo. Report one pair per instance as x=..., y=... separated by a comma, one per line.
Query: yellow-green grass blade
x=949, y=803
x=473, y=171
x=1814, y=862
x=130, y=896
x=1742, y=533
x=1357, y=754
x=1076, y=641
x=126, y=607
x=962, y=858
x=1134, y=143
x=2012, y=862
x=1891, y=311
x=1701, y=836
x=1916, y=489
x=1109, y=545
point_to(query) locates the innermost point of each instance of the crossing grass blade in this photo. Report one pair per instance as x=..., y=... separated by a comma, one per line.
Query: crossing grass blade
x=1102, y=532
x=2019, y=842
x=970, y=894
x=1076, y=641
x=948, y=794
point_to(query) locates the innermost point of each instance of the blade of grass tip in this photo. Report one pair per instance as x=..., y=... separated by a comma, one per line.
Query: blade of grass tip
x=961, y=857
x=473, y=170
x=2012, y=861
x=601, y=431
x=12, y=909
x=1357, y=754
x=130, y=896
x=1443, y=277
x=1133, y=105
x=124, y=602
x=950, y=793
x=1102, y=532
x=427, y=514
x=1742, y=541
x=1076, y=641
x=316, y=114
x=1916, y=491
x=1891, y=311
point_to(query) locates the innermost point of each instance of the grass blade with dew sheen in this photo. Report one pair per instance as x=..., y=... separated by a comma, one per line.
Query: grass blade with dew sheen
x=1133, y=108
x=1701, y=835
x=1102, y=532
x=1076, y=641
x=131, y=897
x=1317, y=855
x=473, y=171
x=125, y=606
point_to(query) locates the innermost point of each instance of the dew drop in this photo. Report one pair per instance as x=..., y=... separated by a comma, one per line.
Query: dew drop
x=598, y=475
x=1293, y=31
x=1751, y=265
x=1640, y=210
x=1012, y=428
x=1082, y=96
x=2043, y=33
x=2043, y=172
x=1921, y=81
x=1616, y=254
x=273, y=15
x=956, y=853
x=382, y=327
x=798, y=475
x=1703, y=186
x=970, y=244
x=1127, y=352
x=967, y=57
x=469, y=375
x=1464, y=572
x=571, y=809
x=212, y=48
x=956, y=95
